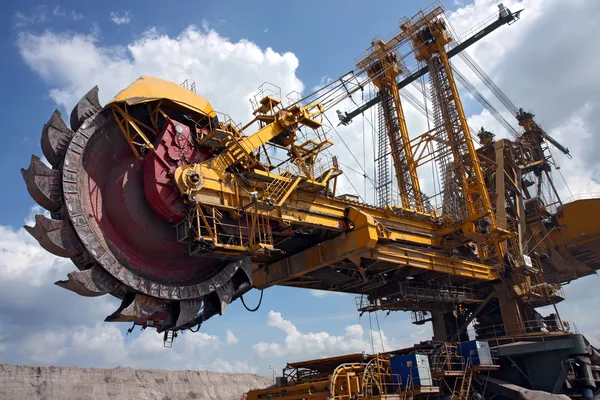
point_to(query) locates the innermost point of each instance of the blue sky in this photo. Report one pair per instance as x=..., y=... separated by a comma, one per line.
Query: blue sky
x=46, y=51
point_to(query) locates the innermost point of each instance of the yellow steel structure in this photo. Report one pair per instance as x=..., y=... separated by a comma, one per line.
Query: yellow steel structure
x=429, y=36
x=149, y=89
x=297, y=231
x=348, y=377
x=383, y=68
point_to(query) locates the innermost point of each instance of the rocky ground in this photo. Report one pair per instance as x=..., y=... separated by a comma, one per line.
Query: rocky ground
x=19, y=382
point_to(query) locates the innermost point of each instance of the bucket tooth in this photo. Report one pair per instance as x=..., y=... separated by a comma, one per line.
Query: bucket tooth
x=90, y=282
x=87, y=106
x=242, y=279
x=189, y=313
x=56, y=136
x=211, y=307
x=141, y=307
x=225, y=293
x=125, y=302
x=43, y=184
x=171, y=316
x=57, y=237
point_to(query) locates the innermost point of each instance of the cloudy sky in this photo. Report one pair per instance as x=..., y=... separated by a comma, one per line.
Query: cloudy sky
x=55, y=52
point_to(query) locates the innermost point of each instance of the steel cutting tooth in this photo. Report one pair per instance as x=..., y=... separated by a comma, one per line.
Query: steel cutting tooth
x=57, y=237
x=225, y=293
x=90, y=283
x=190, y=312
x=242, y=279
x=125, y=302
x=43, y=184
x=211, y=306
x=140, y=308
x=87, y=106
x=56, y=136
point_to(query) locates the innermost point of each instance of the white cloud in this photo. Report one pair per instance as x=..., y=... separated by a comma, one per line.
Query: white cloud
x=75, y=16
x=120, y=17
x=230, y=338
x=319, y=293
x=237, y=367
x=38, y=15
x=321, y=344
x=325, y=293
x=41, y=14
x=44, y=324
x=548, y=76
x=104, y=345
x=197, y=53
x=58, y=12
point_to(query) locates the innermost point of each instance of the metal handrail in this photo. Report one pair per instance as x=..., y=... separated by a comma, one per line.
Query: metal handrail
x=534, y=328
x=582, y=196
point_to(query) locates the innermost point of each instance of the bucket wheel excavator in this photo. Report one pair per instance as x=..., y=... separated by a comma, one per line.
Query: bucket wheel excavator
x=113, y=208
x=177, y=211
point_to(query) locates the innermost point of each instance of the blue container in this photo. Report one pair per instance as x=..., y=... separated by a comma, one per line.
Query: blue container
x=476, y=352
x=415, y=366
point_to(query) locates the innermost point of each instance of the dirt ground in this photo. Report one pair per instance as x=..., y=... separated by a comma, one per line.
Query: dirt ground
x=18, y=382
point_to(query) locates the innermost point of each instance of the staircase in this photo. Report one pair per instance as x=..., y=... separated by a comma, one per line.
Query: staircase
x=279, y=190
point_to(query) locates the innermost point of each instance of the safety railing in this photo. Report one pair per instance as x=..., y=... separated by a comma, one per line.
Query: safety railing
x=225, y=120
x=294, y=98
x=515, y=331
x=267, y=89
x=448, y=360
x=582, y=196
x=189, y=84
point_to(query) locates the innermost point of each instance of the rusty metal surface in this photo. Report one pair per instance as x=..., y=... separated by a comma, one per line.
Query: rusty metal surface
x=90, y=282
x=85, y=108
x=43, y=184
x=55, y=139
x=57, y=237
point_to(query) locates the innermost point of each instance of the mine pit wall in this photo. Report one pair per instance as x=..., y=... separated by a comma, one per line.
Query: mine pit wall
x=19, y=382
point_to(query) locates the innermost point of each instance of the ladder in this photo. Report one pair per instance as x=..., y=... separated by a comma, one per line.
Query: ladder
x=445, y=118
x=168, y=338
x=279, y=190
x=465, y=382
x=383, y=189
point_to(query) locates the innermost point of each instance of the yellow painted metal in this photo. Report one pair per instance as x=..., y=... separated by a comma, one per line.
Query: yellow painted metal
x=337, y=378
x=428, y=260
x=311, y=390
x=363, y=236
x=576, y=240
x=132, y=132
x=579, y=223
x=422, y=27
x=220, y=189
x=383, y=68
x=473, y=182
x=146, y=89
